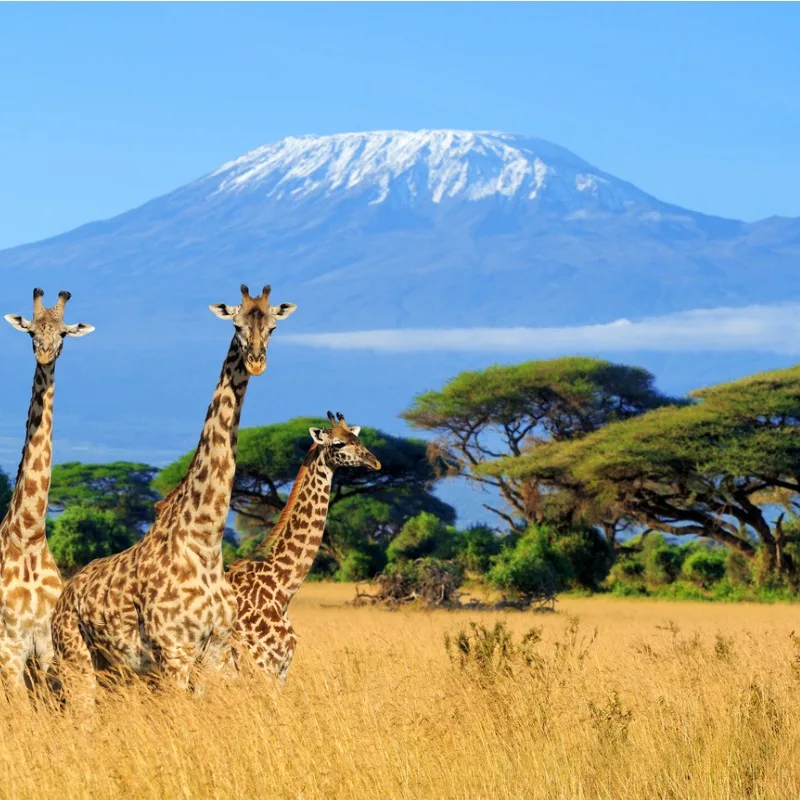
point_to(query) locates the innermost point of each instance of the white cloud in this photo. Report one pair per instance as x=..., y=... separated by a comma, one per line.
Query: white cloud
x=763, y=328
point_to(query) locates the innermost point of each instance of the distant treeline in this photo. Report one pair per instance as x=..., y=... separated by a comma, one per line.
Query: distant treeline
x=593, y=464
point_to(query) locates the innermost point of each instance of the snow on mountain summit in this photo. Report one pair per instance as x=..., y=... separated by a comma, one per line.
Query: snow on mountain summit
x=423, y=166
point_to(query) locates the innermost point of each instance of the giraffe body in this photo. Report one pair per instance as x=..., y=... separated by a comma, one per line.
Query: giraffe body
x=265, y=588
x=163, y=605
x=30, y=582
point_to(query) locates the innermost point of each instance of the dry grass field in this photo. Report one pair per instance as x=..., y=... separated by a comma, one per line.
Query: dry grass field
x=667, y=700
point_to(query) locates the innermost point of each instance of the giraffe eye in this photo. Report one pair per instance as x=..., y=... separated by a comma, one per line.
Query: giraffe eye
x=338, y=445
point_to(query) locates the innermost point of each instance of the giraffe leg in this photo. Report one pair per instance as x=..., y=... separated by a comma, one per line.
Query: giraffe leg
x=220, y=658
x=175, y=666
x=71, y=675
x=12, y=667
x=289, y=643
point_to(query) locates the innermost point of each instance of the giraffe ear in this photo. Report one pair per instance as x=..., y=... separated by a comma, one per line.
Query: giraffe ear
x=18, y=322
x=224, y=311
x=78, y=329
x=355, y=430
x=318, y=435
x=283, y=310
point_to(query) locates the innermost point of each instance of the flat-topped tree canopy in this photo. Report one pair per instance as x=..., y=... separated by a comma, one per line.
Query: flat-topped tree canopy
x=512, y=409
x=269, y=457
x=707, y=469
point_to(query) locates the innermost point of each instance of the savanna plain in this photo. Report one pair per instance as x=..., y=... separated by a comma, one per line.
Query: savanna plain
x=606, y=697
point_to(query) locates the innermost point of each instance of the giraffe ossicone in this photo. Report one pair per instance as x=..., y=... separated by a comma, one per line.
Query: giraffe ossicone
x=265, y=588
x=163, y=605
x=30, y=582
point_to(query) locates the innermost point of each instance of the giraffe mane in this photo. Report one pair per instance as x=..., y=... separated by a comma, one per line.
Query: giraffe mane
x=291, y=502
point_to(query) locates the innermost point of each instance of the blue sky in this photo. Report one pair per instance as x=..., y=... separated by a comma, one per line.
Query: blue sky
x=103, y=107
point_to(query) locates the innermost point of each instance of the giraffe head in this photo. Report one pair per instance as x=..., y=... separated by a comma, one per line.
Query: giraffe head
x=47, y=329
x=254, y=320
x=341, y=446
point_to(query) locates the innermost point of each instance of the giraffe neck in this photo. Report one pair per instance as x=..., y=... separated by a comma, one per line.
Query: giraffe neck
x=198, y=506
x=297, y=535
x=27, y=511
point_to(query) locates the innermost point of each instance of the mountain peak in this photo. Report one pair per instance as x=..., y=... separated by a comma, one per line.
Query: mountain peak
x=426, y=166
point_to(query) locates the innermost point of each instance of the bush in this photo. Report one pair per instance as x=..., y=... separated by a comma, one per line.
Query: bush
x=476, y=546
x=423, y=536
x=355, y=566
x=427, y=580
x=737, y=569
x=589, y=556
x=662, y=561
x=532, y=566
x=83, y=533
x=705, y=566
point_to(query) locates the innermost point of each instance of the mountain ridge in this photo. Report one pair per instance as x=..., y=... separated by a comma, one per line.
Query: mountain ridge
x=568, y=256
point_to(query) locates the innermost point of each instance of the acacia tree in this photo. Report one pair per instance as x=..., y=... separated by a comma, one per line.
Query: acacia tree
x=120, y=487
x=510, y=410
x=708, y=469
x=366, y=508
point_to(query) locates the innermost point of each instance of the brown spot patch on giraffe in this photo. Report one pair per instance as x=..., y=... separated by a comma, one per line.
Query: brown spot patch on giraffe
x=19, y=598
x=37, y=464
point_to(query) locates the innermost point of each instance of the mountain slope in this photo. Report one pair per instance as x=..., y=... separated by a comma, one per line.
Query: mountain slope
x=454, y=217
x=387, y=229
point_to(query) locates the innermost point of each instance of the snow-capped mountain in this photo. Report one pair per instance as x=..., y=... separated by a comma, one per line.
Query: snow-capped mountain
x=415, y=168
x=364, y=231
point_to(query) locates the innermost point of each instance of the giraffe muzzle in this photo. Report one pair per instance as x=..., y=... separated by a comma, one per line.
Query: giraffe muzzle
x=45, y=357
x=372, y=463
x=255, y=364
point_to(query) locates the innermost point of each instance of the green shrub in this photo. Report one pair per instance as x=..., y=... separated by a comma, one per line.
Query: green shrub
x=532, y=565
x=662, y=561
x=355, y=566
x=738, y=570
x=476, y=546
x=588, y=554
x=705, y=566
x=627, y=574
x=82, y=533
x=423, y=536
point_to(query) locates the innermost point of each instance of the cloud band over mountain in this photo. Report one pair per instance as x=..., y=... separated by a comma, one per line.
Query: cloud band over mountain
x=758, y=327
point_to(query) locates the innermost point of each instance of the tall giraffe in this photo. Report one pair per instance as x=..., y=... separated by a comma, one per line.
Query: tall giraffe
x=29, y=579
x=163, y=605
x=265, y=588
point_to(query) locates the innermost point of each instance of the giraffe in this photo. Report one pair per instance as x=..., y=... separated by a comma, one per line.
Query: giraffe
x=29, y=579
x=163, y=607
x=265, y=588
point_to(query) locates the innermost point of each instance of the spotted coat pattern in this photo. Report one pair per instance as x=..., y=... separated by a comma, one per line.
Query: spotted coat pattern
x=265, y=588
x=30, y=582
x=163, y=606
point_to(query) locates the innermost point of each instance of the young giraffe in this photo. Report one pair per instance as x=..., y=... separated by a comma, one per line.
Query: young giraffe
x=265, y=588
x=163, y=605
x=29, y=579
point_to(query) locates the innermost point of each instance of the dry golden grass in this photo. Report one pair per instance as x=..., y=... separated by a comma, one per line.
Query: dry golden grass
x=671, y=700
